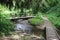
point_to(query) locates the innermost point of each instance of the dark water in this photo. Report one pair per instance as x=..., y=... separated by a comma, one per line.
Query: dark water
x=24, y=27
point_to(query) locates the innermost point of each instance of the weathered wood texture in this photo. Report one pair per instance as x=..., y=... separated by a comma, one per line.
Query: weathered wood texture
x=51, y=33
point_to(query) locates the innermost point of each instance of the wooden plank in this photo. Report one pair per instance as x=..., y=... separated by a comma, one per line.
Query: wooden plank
x=51, y=33
x=16, y=18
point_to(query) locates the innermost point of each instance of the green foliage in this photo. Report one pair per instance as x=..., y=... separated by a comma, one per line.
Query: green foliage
x=34, y=21
x=35, y=5
x=37, y=20
x=6, y=12
x=55, y=20
x=54, y=16
x=5, y=25
x=3, y=8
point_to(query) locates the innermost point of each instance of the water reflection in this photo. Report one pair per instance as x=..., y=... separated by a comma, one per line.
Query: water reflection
x=24, y=27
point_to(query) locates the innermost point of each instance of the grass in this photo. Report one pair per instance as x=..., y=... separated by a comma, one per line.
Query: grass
x=6, y=25
x=38, y=19
x=54, y=19
x=6, y=12
x=54, y=16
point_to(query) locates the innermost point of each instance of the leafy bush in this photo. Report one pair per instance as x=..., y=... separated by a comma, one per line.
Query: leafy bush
x=54, y=16
x=5, y=25
x=6, y=12
x=54, y=19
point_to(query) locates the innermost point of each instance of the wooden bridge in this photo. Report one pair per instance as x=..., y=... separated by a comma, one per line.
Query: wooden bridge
x=24, y=18
x=51, y=33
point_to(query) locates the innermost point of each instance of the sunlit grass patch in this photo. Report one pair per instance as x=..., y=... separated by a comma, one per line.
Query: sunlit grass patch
x=37, y=20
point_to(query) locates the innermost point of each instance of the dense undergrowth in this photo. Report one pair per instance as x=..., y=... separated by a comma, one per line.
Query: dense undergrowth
x=6, y=26
x=4, y=10
x=54, y=16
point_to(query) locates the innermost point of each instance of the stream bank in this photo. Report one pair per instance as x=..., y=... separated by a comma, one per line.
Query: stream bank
x=25, y=31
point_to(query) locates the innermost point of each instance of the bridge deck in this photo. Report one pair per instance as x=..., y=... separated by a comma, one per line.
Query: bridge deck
x=51, y=33
x=16, y=18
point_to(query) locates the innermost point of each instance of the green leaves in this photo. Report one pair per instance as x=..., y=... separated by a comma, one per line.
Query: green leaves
x=6, y=25
x=37, y=20
x=54, y=15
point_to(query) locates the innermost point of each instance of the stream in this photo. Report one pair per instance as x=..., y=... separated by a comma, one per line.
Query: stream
x=24, y=26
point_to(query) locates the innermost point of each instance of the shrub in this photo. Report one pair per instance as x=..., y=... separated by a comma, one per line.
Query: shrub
x=54, y=16
x=5, y=25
